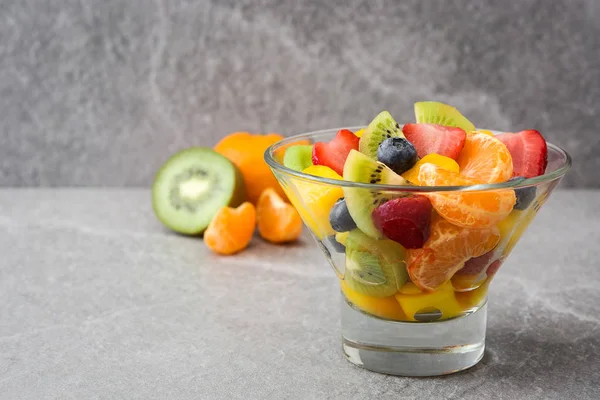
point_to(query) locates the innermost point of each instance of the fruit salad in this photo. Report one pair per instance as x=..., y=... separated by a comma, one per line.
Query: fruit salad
x=411, y=254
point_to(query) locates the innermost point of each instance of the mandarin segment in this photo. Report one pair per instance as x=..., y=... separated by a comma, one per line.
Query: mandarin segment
x=446, y=251
x=231, y=229
x=475, y=209
x=485, y=159
x=412, y=175
x=246, y=151
x=278, y=221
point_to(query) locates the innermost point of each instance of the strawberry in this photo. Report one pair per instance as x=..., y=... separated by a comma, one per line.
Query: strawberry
x=475, y=265
x=528, y=150
x=405, y=220
x=493, y=268
x=435, y=139
x=334, y=153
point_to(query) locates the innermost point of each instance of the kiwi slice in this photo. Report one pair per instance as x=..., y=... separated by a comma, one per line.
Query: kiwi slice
x=381, y=128
x=433, y=112
x=361, y=202
x=192, y=186
x=298, y=157
x=374, y=267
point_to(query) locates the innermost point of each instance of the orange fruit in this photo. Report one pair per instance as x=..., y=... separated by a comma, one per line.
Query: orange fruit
x=246, y=151
x=231, y=229
x=412, y=175
x=485, y=159
x=446, y=251
x=278, y=221
x=477, y=209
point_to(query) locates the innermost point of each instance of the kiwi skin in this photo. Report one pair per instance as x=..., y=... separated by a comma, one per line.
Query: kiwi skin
x=434, y=112
x=238, y=195
x=382, y=127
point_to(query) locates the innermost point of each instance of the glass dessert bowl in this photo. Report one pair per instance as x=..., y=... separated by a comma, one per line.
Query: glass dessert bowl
x=415, y=239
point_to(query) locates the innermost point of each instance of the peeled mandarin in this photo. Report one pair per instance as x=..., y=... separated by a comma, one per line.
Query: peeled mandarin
x=231, y=229
x=412, y=175
x=446, y=251
x=485, y=159
x=278, y=221
x=469, y=209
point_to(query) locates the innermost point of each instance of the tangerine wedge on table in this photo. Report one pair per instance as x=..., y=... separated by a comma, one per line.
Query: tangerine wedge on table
x=485, y=159
x=278, y=221
x=231, y=229
x=246, y=151
x=470, y=209
x=446, y=251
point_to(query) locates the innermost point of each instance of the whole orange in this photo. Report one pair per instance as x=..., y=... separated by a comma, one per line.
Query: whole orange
x=246, y=151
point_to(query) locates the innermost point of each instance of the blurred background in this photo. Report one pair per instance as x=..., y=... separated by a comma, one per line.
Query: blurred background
x=101, y=93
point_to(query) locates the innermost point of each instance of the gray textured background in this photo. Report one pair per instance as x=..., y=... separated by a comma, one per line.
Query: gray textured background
x=101, y=92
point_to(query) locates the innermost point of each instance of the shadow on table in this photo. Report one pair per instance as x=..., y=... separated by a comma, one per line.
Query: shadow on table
x=522, y=358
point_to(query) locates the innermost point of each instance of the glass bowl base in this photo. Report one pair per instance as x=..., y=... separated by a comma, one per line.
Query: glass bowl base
x=413, y=348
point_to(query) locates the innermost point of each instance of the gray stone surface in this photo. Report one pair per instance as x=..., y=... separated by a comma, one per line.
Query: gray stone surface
x=99, y=301
x=102, y=92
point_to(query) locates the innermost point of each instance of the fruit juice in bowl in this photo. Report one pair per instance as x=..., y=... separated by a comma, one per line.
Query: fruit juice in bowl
x=416, y=219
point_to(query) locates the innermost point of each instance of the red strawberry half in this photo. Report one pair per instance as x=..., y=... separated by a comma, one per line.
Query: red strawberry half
x=334, y=153
x=528, y=150
x=431, y=138
x=405, y=220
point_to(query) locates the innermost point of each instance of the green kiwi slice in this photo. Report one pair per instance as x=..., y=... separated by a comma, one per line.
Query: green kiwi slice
x=374, y=267
x=433, y=112
x=298, y=157
x=382, y=127
x=361, y=202
x=192, y=186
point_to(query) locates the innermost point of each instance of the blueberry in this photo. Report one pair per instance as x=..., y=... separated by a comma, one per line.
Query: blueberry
x=337, y=246
x=339, y=217
x=397, y=153
x=524, y=195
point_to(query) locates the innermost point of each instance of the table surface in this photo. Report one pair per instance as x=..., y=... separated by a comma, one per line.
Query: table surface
x=100, y=301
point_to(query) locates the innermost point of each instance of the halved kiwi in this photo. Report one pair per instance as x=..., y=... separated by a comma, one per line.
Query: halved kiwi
x=192, y=186
x=374, y=267
x=433, y=112
x=361, y=202
x=382, y=127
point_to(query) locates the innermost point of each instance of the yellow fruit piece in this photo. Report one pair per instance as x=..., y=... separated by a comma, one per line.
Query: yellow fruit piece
x=513, y=227
x=475, y=297
x=383, y=307
x=412, y=300
x=359, y=132
x=341, y=237
x=484, y=131
x=412, y=175
x=467, y=282
x=314, y=200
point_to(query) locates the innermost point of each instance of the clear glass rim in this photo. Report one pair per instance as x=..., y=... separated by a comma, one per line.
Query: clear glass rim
x=513, y=184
